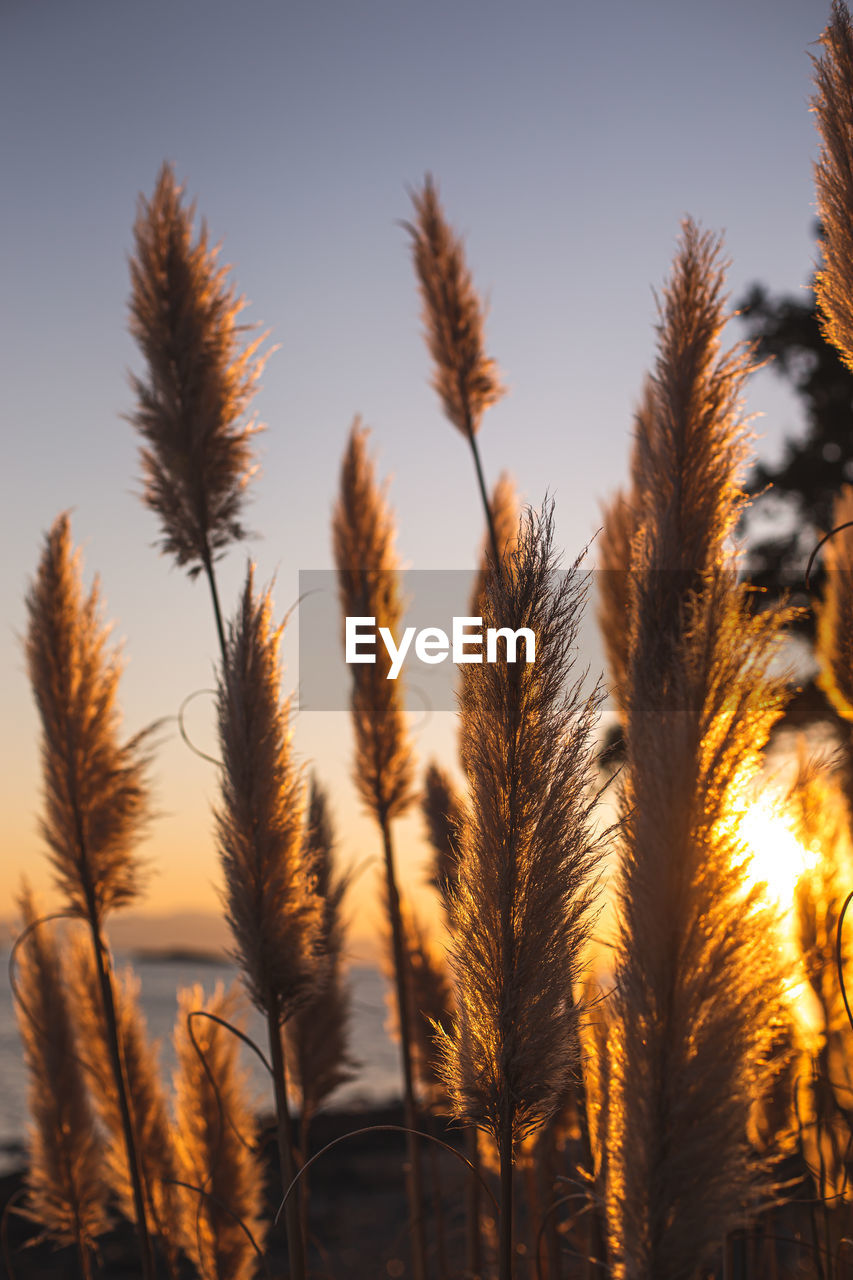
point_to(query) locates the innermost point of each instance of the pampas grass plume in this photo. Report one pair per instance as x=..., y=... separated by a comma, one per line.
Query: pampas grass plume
x=528, y=860
x=465, y=378
x=443, y=814
x=271, y=907
x=835, y=613
x=216, y=1132
x=368, y=584
x=833, y=74
x=197, y=454
x=96, y=801
x=66, y=1190
x=318, y=1034
x=148, y=1101
x=698, y=978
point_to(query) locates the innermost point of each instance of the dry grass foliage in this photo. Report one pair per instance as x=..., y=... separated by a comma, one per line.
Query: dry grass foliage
x=465, y=378
x=318, y=1034
x=149, y=1103
x=368, y=583
x=216, y=1140
x=96, y=800
x=521, y=907
x=271, y=906
x=833, y=107
x=698, y=984
x=66, y=1188
x=835, y=614
x=197, y=457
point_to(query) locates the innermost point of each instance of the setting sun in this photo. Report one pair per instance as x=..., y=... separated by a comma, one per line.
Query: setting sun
x=777, y=858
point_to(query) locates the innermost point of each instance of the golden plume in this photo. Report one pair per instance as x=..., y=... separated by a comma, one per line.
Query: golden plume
x=66, y=1191
x=465, y=378
x=274, y=913
x=270, y=904
x=697, y=973
x=834, y=180
x=368, y=584
x=96, y=800
x=431, y=1005
x=835, y=613
x=197, y=454
x=527, y=870
x=443, y=813
x=505, y=511
x=621, y=518
x=148, y=1102
x=526, y=883
x=318, y=1034
x=216, y=1135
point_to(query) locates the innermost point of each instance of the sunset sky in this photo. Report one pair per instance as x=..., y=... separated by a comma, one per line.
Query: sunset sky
x=568, y=140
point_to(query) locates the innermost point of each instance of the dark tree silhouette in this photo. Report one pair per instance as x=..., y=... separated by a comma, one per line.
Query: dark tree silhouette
x=794, y=499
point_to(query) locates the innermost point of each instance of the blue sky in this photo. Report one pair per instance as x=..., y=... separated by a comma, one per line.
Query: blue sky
x=568, y=139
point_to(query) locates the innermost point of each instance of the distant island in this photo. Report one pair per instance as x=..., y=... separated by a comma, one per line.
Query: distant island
x=178, y=955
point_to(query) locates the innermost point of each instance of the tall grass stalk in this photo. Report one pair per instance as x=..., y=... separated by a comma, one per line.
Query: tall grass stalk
x=368, y=586
x=698, y=982
x=274, y=914
x=526, y=884
x=96, y=802
x=465, y=378
x=317, y=1036
x=192, y=403
x=835, y=613
x=216, y=1140
x=66, y=1191
x=149, y=1104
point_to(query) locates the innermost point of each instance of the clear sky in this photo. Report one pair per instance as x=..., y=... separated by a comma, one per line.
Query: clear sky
x=568, y=137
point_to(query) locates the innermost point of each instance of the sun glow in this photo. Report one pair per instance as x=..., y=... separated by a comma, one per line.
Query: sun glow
x=777, y=858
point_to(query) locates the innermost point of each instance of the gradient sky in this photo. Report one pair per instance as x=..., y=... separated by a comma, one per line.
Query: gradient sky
x=568, y=138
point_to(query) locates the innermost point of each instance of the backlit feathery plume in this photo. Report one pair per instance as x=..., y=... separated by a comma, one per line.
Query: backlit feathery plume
x=271, y=907
x=368, y=585
x=505, y=510
x=618, y=520
x=148, y=1101
x=96, y=801
x=274, y=913
x=822, y=825
x=833, y=106
x=197, y=454
x=621, y=518
x=443, y=814
x=318, y=1034
x=432, y=1006
x=835, y=614
x=527, y=873
x=690, y=445
x=430, y=1003
x=66, y=1191
x=215, y=1136
x=698, y=983
x=465, y=378
x=698, y=977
